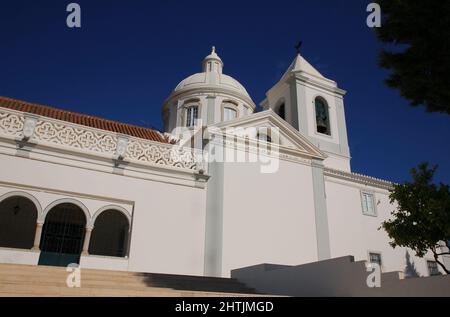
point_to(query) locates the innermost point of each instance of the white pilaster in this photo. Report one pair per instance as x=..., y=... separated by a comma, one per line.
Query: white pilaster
x=37, y=236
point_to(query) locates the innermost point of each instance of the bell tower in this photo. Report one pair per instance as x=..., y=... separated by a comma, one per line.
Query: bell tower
x=314, y=105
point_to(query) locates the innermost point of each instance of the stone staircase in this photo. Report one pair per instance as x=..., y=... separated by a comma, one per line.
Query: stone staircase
x=27, y=280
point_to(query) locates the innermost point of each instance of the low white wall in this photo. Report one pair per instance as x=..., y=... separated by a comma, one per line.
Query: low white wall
x=19, y=256
x=336, y=277
x=104, y=263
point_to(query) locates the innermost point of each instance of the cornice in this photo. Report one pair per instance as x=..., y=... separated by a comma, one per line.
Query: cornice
x=358, y=178
x=269, y=116
x=255, y=147
x=208, y=89
x=315, y=83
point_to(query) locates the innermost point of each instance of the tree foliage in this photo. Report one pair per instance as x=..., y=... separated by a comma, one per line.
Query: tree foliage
x=421, y=221
x=420, y=61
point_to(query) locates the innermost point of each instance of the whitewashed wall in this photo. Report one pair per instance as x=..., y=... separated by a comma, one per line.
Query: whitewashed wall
x=268, y=218
x=353, y=233
x=168, y=218
x=264, y=218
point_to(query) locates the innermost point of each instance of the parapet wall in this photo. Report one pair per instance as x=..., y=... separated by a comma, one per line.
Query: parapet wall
x=336, y=277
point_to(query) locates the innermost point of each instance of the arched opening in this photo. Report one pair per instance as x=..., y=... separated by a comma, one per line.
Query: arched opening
x=322, y=116
x=281, y=111
x=110, y=234
x=63, y=235
x=18, y=217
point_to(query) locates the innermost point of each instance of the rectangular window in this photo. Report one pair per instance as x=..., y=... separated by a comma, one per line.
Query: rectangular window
x=191, y=116
x=368, y=204
x=375, y=258
x=229, y=114
x=433, y=268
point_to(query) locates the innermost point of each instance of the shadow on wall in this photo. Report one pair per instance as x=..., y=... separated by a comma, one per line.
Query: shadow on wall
x=196, y=283
x=410, y=269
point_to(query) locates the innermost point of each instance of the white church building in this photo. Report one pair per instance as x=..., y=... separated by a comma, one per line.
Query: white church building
x=223, y=187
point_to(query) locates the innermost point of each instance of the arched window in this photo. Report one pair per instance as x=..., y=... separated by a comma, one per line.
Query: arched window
x=322, y=116
x=18, y=217
x=110, y=234
x=229, y=113
x=229, y=110
x=191, y=116
x=281, y=111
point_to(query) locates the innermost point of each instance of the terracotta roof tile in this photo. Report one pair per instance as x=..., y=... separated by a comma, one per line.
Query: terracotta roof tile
x=82, y=119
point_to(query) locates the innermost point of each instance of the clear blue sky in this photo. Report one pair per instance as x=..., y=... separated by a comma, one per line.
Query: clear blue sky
x=129, y=55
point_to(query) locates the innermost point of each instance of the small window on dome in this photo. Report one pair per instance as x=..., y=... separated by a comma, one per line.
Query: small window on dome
x=191, y=116
x=229, y=114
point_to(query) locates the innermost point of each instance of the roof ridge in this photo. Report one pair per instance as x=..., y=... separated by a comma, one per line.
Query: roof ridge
x=81, y=118
x=76, y=113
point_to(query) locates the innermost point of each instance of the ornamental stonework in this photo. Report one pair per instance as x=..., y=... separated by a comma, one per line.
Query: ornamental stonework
x=70, y=136
x=11, y=124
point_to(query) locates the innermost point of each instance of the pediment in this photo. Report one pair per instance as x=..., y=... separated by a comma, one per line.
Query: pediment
x=289, y=139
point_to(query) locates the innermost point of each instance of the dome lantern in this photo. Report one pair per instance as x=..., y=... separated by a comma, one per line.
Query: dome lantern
x=212, y=62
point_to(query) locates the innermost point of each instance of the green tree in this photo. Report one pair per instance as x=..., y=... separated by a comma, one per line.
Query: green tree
x=420, y=60
x=421, y=221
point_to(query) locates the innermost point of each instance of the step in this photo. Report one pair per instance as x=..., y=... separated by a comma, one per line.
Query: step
x=65, y=291
x=63, y=276
x=44, y=268
x=147, y=277
x=30, y=269
x=53, y=291
x=48, y=280
x=128, y=286
x=87, y=273
x=180, y=281
x=84, y=284
x=15, y=268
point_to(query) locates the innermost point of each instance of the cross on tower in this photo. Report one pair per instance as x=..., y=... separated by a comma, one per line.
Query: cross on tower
x=298, y=46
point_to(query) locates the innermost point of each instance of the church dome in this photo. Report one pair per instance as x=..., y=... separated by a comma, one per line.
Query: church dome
x=201, y=80
x=212, y=80
x=206, y=98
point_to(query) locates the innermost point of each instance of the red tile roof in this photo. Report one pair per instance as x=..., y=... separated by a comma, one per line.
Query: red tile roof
x=82, y=119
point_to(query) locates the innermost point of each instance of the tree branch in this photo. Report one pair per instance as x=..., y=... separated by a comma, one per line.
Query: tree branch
x=436, y=257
